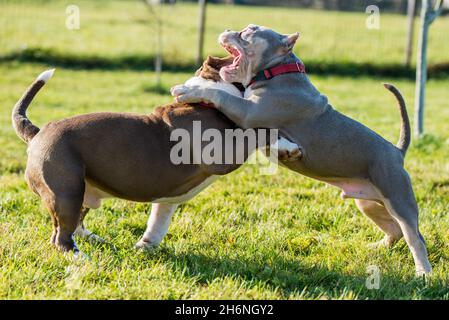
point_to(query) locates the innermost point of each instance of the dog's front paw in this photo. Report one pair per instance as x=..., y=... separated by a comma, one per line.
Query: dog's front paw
x=287, y=151
x=146, y=244
x=286, y=155
x=188, y=94
x=178, y=90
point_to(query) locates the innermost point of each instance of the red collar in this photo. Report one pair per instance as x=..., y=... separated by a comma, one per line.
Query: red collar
x=267, y=74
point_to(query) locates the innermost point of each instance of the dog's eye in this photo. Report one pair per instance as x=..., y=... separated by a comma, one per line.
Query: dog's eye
x=244, y=34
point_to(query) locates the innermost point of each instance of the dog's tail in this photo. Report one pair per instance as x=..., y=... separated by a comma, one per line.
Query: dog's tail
x=24, y=128
x=404, y=137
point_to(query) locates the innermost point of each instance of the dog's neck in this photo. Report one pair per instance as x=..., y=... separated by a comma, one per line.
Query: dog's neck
x=221, y=85
x=286, y=59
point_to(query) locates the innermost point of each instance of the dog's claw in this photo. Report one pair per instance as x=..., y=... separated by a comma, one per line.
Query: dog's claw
x=295, y=154
x=178, y=90
x=145, y=245
x=386, y=242
x=425, y=275
x=82, y=232
x=377, y=245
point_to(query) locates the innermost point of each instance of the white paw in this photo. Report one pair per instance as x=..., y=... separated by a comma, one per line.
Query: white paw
x=89, y=235
x=145, y=244
x=423, y=274
x=179, y=90
x=287, y=151
x=377, y=245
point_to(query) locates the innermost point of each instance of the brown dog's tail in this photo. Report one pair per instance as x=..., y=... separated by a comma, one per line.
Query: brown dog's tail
x=404, y=137
x=24, y=128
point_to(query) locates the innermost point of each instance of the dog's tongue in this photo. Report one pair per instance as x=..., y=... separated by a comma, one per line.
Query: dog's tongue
x=226, y=71
x=235, y=53
x=232, y=68
x=237, y=57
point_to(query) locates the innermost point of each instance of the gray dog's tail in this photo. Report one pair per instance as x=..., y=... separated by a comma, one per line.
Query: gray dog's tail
x=24, y=128
x=404, y=137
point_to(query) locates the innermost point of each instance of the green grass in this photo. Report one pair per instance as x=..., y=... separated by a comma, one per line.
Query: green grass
x=247, y=236
x=120, y=28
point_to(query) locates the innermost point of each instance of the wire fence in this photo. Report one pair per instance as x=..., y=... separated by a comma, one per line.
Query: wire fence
x=125, y=33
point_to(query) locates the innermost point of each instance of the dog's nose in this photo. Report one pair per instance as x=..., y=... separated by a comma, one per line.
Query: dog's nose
x=227, y=30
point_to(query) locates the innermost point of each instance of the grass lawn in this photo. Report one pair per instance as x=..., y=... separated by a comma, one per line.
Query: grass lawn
x=247, y=236
x=120, y=28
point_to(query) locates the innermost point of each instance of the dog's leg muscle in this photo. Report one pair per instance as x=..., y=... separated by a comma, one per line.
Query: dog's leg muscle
x=62, y=196
x=380, y=216
x=157, y=225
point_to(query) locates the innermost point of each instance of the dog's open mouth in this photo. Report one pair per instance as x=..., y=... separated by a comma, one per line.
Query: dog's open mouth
x=236, y=53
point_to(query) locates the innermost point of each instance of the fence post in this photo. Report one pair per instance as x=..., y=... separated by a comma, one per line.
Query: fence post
x=159, y=46
x=411, y=9
x=428, y=15
x=201, y=22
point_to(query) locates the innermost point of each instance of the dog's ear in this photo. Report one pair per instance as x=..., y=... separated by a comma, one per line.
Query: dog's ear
x=214, y=62
x=205, y=66
x=290, y=40
x=226, y=61
x=208, y=71
x=211, y=67
x=209, y=60
x=198, y=72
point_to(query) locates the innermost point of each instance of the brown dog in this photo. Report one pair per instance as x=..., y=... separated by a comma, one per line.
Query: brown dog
x=75, y=162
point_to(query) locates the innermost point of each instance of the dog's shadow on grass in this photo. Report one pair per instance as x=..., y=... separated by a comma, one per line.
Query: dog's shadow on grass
x=292, y=278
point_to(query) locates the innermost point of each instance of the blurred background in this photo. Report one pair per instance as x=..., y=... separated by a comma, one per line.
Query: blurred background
x=131, y=33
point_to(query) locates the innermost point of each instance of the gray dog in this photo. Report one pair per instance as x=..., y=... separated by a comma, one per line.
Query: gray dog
x=336, y=149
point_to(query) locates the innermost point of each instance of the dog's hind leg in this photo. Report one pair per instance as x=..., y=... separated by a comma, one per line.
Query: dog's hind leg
x=399, y=200
x=380, y=216
x=66, y=210
x=61, y=187
x=406, y=213
x=157, y=225
x=65, y=213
